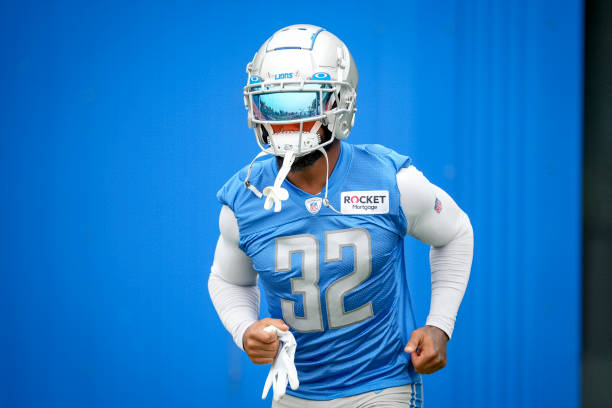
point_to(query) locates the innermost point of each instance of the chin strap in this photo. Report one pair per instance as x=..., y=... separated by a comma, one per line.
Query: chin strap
x=247, y=183
x=276, y=194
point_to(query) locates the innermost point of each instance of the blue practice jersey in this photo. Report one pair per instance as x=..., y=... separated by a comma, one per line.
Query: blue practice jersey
x=337, y=280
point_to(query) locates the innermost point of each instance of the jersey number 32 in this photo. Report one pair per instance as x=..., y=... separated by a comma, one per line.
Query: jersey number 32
x=307, y=285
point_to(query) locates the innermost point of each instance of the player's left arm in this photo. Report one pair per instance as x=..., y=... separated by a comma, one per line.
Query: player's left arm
x=434, y=218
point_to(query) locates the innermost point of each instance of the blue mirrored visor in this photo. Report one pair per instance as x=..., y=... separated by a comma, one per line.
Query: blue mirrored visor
x=279, y=106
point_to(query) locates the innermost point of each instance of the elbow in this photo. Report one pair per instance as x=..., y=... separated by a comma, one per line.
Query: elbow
x=462, y=234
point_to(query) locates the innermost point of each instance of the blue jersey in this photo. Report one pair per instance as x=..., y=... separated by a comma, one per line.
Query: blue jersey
x=337, y=280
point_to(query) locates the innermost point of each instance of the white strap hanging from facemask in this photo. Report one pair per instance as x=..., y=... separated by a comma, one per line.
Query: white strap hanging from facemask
x=276, y=194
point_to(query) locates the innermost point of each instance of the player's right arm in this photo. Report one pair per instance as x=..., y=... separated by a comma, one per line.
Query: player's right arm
x=232, y=286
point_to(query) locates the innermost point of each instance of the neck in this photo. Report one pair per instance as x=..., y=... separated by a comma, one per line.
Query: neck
x=312, y=179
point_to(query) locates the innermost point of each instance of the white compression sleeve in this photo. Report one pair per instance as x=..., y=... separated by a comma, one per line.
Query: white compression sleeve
x=232, y=284
x=434, y=218
x=450, y=271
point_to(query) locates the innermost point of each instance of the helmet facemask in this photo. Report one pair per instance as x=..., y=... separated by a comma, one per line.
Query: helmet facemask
x=311, y=104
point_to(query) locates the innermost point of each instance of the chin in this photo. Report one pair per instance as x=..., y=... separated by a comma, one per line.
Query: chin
x=306, y=161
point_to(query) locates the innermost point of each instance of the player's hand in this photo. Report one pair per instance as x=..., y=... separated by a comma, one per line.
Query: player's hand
x=262, y=346
x=428, y=347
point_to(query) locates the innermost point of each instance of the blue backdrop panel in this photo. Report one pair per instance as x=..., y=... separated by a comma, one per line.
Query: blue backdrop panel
x=121, y=120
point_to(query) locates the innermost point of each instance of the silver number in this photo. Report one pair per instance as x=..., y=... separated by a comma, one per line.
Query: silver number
x=308, y=246
x=307, y=285
x=359, y=239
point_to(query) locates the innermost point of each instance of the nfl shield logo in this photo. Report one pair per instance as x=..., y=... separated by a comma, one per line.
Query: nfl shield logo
x=313, y=205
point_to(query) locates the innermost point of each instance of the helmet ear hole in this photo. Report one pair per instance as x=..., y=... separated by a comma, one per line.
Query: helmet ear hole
x=345, y=128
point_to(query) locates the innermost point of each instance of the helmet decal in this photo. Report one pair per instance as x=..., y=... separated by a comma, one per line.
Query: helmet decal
x=321, y=76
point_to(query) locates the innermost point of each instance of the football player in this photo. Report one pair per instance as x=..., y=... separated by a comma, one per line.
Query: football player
x=322, y=226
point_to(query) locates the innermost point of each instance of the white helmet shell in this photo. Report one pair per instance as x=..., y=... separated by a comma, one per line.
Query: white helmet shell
x=294, y=62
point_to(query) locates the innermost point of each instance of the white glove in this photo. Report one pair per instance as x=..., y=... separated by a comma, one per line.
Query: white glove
x=282, y=369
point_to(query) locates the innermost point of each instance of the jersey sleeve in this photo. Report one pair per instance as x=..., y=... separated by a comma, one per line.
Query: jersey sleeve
x=433, y=217
x=232, y=283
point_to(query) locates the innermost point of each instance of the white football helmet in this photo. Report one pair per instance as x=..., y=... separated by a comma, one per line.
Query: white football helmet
x=301, y=74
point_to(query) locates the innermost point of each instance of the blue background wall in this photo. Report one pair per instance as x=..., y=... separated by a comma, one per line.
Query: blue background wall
x=120, y=121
